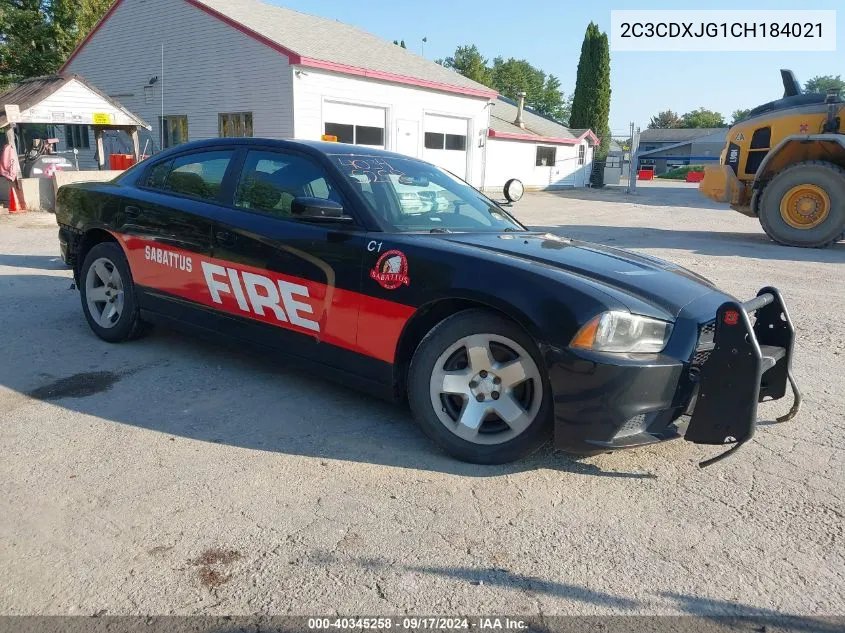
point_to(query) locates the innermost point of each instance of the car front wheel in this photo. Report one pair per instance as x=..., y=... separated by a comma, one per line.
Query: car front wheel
x=477, y=387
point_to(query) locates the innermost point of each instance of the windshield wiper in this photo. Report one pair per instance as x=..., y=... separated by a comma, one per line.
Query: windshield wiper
x=440, y=230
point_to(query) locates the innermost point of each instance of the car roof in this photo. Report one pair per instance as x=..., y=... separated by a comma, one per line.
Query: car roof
x=322, y=147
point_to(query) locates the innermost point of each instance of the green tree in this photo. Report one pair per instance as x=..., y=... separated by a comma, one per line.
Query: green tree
x=510, y=77
x=468, y=61
x=37, y=36
x=739, y=115
x=665, y=119
x=552, y=102
x=402, y=44
x=591, y=101
x=702, y=117
x=823, y=83
x=542, y=92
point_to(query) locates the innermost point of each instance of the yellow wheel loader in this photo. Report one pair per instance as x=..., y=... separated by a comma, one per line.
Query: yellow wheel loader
x=785, y=164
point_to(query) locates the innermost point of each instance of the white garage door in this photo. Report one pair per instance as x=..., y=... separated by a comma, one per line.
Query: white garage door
x=446, y=143
x=350, y=123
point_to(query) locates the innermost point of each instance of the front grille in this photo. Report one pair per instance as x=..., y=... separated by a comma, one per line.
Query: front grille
x=705, y=344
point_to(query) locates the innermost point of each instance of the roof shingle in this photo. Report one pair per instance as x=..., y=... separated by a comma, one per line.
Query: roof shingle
x=315, y=38
x=503, y=115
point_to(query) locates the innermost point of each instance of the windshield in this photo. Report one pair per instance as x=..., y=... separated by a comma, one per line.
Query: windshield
x=414, y=196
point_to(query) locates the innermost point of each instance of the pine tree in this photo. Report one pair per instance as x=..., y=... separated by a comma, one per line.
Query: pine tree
x=591, y=101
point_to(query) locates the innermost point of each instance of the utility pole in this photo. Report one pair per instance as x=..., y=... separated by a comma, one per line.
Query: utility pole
x=632, y=171
x=424, y=40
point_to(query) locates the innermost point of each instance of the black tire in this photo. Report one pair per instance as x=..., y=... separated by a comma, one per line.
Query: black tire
x=436, y=343
x=128, y=325
x=827, y=176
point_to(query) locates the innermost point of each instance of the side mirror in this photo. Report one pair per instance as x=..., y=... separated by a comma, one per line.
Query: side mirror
x=305, y=207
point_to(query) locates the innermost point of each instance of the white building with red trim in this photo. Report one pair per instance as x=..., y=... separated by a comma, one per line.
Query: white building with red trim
x=206, y=68
x=542, y=153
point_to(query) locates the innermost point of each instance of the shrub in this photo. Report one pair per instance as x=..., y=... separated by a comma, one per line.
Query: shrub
x=680, y=173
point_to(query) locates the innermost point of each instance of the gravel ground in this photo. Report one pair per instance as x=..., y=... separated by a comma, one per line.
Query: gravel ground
x=168, y=476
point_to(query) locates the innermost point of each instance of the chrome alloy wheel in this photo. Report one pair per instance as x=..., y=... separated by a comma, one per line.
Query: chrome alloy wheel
x=486, y=389
x=104, y=292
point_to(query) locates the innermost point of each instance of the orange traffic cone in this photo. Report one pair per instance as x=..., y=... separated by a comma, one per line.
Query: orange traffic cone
x=14, y=205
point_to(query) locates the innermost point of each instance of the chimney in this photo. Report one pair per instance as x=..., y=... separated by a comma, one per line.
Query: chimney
x=520, y=108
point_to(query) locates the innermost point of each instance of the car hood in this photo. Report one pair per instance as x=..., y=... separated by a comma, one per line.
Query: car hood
x=649, y=279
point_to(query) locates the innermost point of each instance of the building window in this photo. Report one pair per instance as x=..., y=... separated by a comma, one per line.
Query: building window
x=436, y=140
x=235, y=124
x=545, y=156
x=366, y=135
x=174, y=130
x=456, y=142
x=582, y=153
x=356, y=134
x=344, y=133
x=76, y=137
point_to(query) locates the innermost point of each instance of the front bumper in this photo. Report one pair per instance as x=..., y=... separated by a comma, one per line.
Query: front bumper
x=604, y=402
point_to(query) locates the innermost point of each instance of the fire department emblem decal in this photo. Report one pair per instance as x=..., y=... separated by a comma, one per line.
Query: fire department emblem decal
x=391, y=270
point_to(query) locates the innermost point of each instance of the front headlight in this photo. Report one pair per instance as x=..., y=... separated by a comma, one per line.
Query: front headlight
x=623, y=332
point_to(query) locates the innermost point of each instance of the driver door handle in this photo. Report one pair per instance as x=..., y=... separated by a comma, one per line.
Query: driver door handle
x=132, y=211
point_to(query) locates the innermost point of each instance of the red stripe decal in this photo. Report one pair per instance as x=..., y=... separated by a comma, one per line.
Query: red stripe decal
x=351, y=320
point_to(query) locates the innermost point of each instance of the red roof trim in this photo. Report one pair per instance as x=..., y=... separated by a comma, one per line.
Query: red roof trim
x=297, y=59
x=345, y=69
x=511, y=136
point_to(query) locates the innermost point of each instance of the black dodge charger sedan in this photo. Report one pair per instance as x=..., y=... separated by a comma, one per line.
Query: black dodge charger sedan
x=392, y=275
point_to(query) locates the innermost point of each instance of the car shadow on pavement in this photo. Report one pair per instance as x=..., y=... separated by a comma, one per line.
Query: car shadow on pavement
x=498, y=577
x=746, y=617
x=182, y=386
x=40, y=262
x=753, y=245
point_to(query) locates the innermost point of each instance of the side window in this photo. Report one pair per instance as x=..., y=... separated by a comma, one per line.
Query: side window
x=270, y=181
x=198, y=175
x=157, y=175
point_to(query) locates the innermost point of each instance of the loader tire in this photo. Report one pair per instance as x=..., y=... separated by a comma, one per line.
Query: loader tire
x=804, y=205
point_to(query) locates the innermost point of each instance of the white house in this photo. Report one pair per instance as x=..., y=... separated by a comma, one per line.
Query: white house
x=542, y=153
x=209, y=68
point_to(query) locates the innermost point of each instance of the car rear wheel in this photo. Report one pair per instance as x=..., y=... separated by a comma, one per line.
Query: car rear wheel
x=477, y=388
x=108, y=294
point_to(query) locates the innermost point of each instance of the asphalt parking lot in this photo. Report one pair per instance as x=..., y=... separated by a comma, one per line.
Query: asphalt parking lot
x=173, y=476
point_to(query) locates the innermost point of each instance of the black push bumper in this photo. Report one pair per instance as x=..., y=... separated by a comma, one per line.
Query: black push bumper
x=749, y=363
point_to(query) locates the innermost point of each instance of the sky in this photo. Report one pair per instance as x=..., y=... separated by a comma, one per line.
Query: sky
x=549, y=35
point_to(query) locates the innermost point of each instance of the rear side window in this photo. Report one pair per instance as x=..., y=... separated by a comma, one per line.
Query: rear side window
x=158, y=175
x=197, y=175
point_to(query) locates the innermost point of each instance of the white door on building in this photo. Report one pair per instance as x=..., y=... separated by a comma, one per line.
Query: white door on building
x=353, y=123
x=408, y=137
x=446, y=143
x=583, y=173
